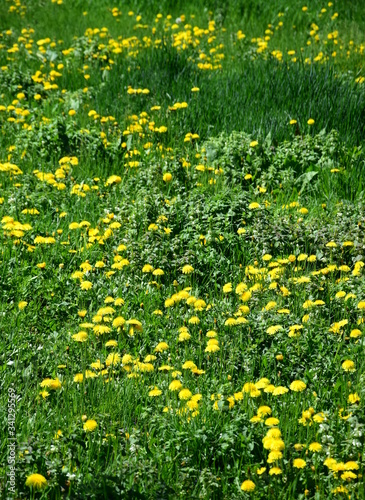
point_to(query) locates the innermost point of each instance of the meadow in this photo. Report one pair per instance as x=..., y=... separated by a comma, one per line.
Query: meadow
x=182, y=235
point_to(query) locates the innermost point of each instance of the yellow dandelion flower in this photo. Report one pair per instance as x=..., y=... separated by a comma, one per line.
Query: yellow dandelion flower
x=167, y=177
x=111, y=343
x=158, y=272
x=97, y=365
x=262, y=383
x=248, y=387
x=299, y=463
x=348, y=475
x=80, y=337
x=278, y=391
x=36, y=481
x=184, y=336
x=119, y=321
x=113, y=359
x=86, y=285
x=101, y=329
x=264, y=410
x=175, y=385
x=162, y=346
x=351, y=465
x=315, y=447
x=230, y=322
x=275, y=471
x=212, y=348
x=137, y=325
x=353, y=398
x=188, y=365
x=90, y=425
x=227, y=288
x=185, y=394
x=51, y=383
x=270, y=422
x=147, y=268
x=270, y=305
x=348, y=366
x=297, y=386
x=248, y=485
x=276, y=434
x=274, y=329
x=211, y=334
x=155, y=392
x=187, y=269
x=355, y=333
x=274, y=456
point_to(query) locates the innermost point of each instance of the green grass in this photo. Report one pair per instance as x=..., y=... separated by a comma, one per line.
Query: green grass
x=307, y=182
